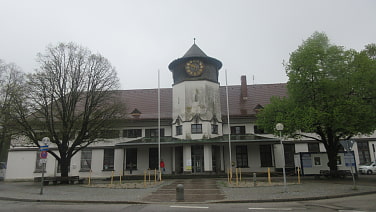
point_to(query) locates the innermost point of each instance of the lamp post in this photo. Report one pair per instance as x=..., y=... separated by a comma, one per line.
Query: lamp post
x=279, y=127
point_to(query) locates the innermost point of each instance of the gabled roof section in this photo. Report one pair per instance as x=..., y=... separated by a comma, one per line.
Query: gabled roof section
x=194, y=51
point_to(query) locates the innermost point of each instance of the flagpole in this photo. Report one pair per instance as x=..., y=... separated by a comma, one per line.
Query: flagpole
x=228, y=123
x=159, y=127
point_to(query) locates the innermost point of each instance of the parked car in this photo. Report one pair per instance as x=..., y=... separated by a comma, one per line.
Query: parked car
x=3, y=168
x=368, y=168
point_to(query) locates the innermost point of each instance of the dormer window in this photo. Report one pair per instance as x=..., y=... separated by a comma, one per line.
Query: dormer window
x=136, y=113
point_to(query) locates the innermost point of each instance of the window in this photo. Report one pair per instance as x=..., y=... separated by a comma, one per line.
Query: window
x=196, y=128
x=108, y=160
x=258, y=130
x=132, y=133
x=242, y=156
x=214, y=129
x=131, y=159
x=150, y=133
x=313, y=147
x=317, y=161
x=38, y=164
x=109, y=134
x=86, y=160
x=153, y=158
x=339, y=161
x=363, y=151
x=179, y=130
x=238, y=130
x=266, y=157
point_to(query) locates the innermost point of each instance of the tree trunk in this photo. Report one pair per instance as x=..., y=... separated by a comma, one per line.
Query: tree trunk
x=332, y=152
x=64, y=169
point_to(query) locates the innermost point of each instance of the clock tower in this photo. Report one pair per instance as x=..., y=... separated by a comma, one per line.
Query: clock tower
x=196, y=97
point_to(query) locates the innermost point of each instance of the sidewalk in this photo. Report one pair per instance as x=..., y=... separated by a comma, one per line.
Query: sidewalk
x=307, y=190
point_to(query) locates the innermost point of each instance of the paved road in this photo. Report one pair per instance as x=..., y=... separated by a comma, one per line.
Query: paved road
x=364, y=203
x=198, y=190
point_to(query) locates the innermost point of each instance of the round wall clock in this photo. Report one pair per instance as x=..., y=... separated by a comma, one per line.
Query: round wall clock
x=194, y=67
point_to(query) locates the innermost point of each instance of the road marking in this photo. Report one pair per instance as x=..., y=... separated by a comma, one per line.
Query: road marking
x=193, y=207
x=275, y=209
x=349, y=211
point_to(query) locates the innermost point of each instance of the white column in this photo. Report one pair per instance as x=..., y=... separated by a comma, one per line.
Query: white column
x=118, y=161
x=278, y=155
x=208, y=159
x=187, y=158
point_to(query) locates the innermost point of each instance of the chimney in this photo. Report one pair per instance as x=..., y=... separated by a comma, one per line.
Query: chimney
x=243, y=89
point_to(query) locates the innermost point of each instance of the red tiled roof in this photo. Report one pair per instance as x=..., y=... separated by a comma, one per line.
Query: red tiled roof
x=146, y=100
x=257, y=95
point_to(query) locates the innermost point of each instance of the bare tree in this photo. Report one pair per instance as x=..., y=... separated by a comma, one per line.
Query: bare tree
x=11, y=78
x=70, y=98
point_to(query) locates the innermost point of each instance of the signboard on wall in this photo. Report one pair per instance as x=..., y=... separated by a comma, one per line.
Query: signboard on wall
x=188, y=165
x=306, y=160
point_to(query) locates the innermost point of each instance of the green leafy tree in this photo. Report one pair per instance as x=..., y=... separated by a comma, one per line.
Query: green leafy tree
x=70, y=99
x=331, y=95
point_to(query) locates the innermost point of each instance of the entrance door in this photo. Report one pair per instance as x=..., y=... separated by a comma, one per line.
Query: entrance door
x=197, y=158
x=197, y=164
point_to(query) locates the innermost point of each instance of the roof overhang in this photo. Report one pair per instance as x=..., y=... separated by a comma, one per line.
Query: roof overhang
x=218, y=140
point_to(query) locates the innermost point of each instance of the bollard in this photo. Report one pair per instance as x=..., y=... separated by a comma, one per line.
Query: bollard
x=236, y=174
x=180, y=192
x=298, y=175
x=254, y=179
x=155, y=176
x=90, y=177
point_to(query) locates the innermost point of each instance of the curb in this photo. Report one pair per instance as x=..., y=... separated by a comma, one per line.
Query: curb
x=209, y=202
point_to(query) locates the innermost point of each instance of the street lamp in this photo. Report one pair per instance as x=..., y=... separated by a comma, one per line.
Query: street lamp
x=279, y=127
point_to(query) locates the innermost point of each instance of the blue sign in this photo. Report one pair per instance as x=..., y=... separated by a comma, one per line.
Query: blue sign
x=43, y=148
x=349, y=159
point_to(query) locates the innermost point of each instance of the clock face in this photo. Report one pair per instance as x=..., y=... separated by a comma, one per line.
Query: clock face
x=194, y=67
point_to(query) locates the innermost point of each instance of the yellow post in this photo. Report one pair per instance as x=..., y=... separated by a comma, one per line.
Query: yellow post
x=240, y=174
x=120, y=178
x=149, y=175
x=236, y=176
x=155, y=176
x=112, y=177
x=269, y=179
x=230, y=175
x=160, y=176
x=144, y=178
x=298, y=175
x=89, y=177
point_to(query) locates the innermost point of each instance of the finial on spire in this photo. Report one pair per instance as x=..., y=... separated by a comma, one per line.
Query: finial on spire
x=194, y=40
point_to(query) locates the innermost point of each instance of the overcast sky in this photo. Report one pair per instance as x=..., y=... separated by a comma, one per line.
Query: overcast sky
x=140, y=37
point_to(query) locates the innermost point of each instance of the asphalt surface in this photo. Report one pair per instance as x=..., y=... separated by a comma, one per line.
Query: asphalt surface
x=195, y=191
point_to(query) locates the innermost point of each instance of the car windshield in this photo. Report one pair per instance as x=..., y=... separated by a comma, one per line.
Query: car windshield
x=368, y=164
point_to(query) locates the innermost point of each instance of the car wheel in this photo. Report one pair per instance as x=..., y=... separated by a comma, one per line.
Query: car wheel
x=369, y=172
